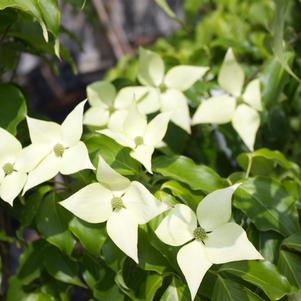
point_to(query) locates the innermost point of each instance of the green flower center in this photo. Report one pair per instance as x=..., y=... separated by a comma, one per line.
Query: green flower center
x=239, y=100
x=200, y=234
x=117, y=203
x=8, y=168
x=58, y=150
x=162, y=88
x=139, y=140
x=111, y=110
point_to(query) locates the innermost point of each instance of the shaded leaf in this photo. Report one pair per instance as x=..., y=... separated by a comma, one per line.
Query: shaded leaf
x=228, y=290
x=13, y=107
x=52, y=222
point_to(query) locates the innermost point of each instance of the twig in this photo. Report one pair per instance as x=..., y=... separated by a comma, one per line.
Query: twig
x=115, y=34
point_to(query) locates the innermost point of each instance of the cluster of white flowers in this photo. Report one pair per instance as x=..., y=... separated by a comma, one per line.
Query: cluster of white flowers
x=209, y=237
x=55, y=149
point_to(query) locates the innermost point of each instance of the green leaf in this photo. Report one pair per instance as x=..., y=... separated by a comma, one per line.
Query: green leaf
x=273, y=79
x=91, y=236
x=268, y=205
x=29, y=210
x=183, y=169
x=228, y=290
x=150, y=287
x=45, y=11
x=113, y=153
x=52, y=222
x=293, y=242
x=190, y=198
x=290, y=265
x=13, y=107
x=149, y=258
x=30, y=36
x=61, y=267
x=263, y=161
x=177, y=291
x=263, y=274
x=30, y=266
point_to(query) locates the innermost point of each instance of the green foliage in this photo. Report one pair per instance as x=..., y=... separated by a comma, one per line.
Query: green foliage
x=68, y=255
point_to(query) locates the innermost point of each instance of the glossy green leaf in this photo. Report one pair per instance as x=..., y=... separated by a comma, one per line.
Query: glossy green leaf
x=13, y=107
x=293, y=242
x=91, y=236
x=113, y=153
x=228, y=290
x=52, y=222
x=268, y=205
x=150, y=287
x=290, y=265
x=183, y=169
x=263, y=161
x=189, y=197
x=273, y=79
x=262, y=274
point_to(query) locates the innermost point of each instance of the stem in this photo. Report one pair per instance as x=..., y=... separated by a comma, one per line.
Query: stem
x=249, y=166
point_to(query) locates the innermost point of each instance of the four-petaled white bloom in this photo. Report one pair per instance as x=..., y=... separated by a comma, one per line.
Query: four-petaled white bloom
x=123, y=204
x=241, y=109
x=56, y=148
x=106, y=108
x=168, y=88
x=140, y=136
x=209, y=236
x=12, y=170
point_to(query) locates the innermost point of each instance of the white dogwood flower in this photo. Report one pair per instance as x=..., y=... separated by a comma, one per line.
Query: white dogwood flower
x=209, y=236
x=12, y=170
x=239, y=108
x=56, y=148
x=101, y=97
x=123, y=204
x=169, y=87
x=140, y=136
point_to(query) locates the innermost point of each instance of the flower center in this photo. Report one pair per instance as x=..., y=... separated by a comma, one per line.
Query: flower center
x=8, y=168
x=200, y=234
x=162, y=88
x=58, y=150
x=139, y=140
x=111, y=110
x=239, y=100
x=117, y=203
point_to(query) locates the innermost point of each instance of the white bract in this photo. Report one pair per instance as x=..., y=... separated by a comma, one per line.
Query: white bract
x=140, y=136
x=168, y=88
x=104, y=110
x=12, y=170
x=56, y=148
x=209, y=236
x=123, y=204
x=239, y=108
